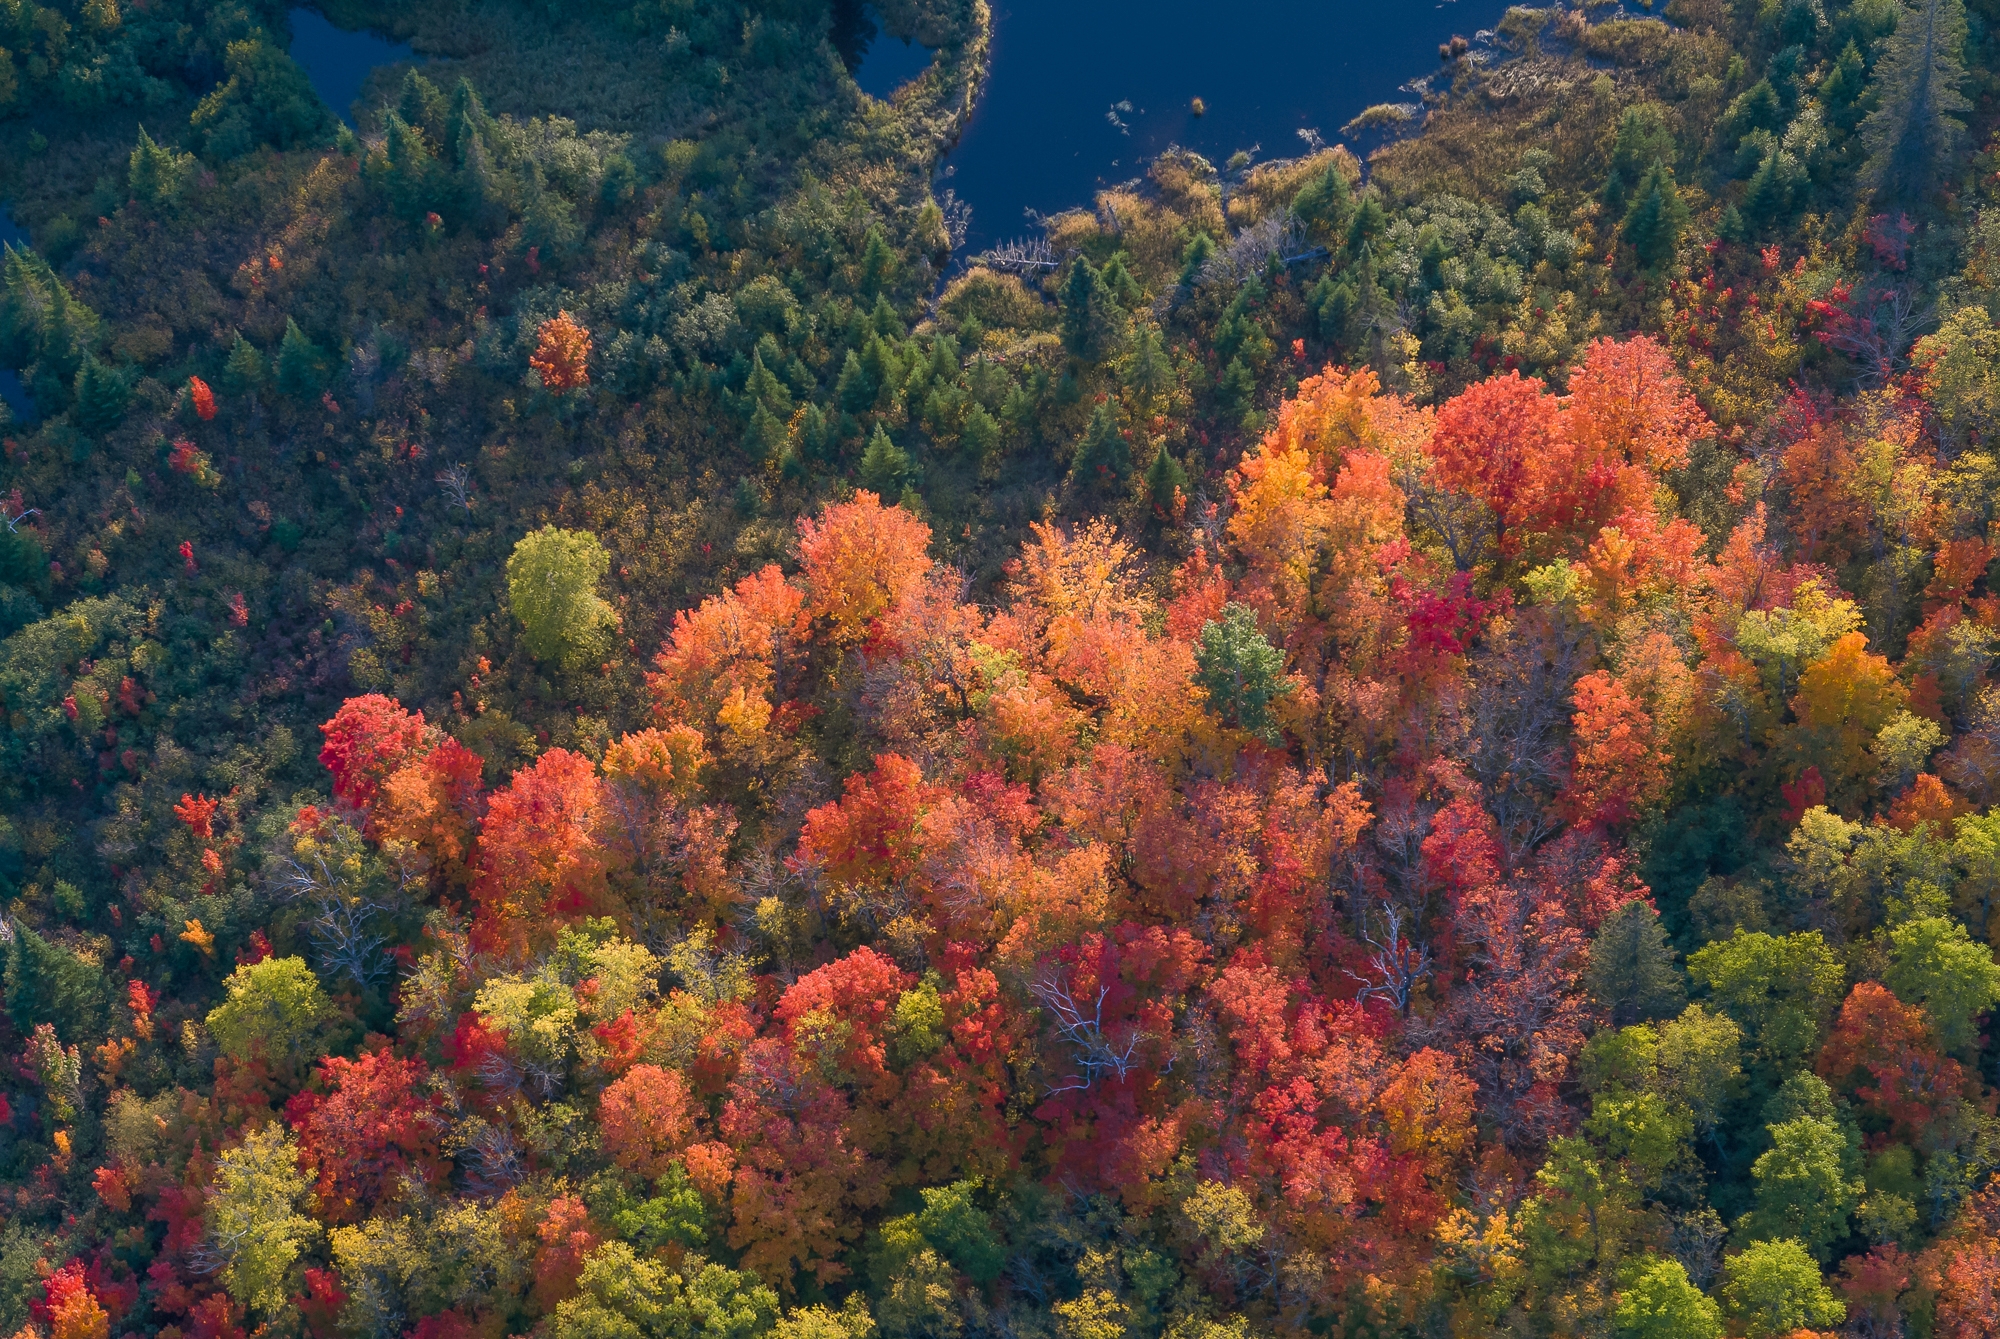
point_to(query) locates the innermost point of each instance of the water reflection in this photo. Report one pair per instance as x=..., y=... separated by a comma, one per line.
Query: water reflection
x=879, y=63
x=1083, y=95
x=339, y=62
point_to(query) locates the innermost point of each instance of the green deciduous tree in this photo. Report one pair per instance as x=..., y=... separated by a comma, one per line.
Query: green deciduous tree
x=276, y=1008
x=1780, y=990
x=552, y=579
x=1935, y=963
x=1658, y=1302
x=622, y=1296
x=1774, y=1287
x=254, y=1221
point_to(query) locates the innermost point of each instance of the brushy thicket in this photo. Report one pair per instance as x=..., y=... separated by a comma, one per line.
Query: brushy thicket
x=603, y=738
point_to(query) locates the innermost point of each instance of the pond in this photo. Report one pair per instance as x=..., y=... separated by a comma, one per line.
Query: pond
x=1084, y=94
x=339, y=62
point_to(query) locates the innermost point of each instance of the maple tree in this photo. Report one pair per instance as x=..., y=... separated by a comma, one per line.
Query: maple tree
x=562, y=354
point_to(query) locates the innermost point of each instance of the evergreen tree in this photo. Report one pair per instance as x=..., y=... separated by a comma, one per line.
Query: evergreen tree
x=878, y=264
x=1917, y=121
x=422, y=106
x=1840, y=92
x=245, y=372
x=1642, y=144
x=406, y=169
x=1242, y=673
x=153, y=173
x=102, y=393
x=1199, y=248
x=1103, y=461
x=301, y=365
x=1632, y=970
x=1323, y=205
x=1148, y=373
x=1088, y=312
x=980, y=436
x=763, y=388
x=1166, y=488
x=1369, y=222
x=764, y=438
x=885, y=467
x=1652, y=226
x=548, y=222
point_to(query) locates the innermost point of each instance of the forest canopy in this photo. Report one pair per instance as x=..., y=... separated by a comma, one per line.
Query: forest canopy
x=604, y=733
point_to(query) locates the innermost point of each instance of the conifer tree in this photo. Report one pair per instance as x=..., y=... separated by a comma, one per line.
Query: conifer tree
x=102, y=394
x=1103, y=461
x=245, y=371
x=1917, y=120
x=885, y=467
x=1166, y=487
x=154, y=173
x=1653, y=224
x=301, y=365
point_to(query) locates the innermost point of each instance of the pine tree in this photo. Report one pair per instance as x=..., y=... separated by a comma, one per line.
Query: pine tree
x=1242, y=673
x=764, y=438
x=1087, y=312
x=980, y=437
x=1103, y=461
x=885, y=467
x=1148, y=374
x=245, y=372
x=1324, y=203
x=1166, y=488
x=763, y=388
x=407, y=169
x=102, y=393
x=1917, y=121
x=422, y=106
x=1632, y=970
x=1643, y=143
x=878, y=264
x=301, y=365
x=1652, y=227
x=153, y=173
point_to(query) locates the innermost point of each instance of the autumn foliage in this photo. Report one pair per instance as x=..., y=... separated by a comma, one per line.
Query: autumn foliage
x=562, y=354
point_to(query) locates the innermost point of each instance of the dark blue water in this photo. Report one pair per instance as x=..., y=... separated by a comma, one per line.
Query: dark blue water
x=338, y=62
x=888, y=64
x=1266, y=69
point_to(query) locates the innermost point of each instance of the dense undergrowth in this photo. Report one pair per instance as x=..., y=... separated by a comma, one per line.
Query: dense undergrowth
x=604, y=738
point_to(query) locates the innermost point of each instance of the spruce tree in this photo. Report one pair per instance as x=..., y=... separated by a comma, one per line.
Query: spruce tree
x=1652, y=227
x=301, y=365
x=1103, y=461
x=980, y=437
x=244, y=373
x=1166, y=488
x=878, y=264
x=407, y=169
x=102, y=393
x=1917, y=121
x=1087, y=313
x=1632, y=970
x=1323, y=205
x=154, y=173
x=885, y=467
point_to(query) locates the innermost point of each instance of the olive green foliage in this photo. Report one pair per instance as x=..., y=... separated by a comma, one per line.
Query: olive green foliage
x=1773, y=1287
x=1660, y=1303
x=274, y=1009
x=621, y=1294
x=552, y=579
x=255, y=1223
